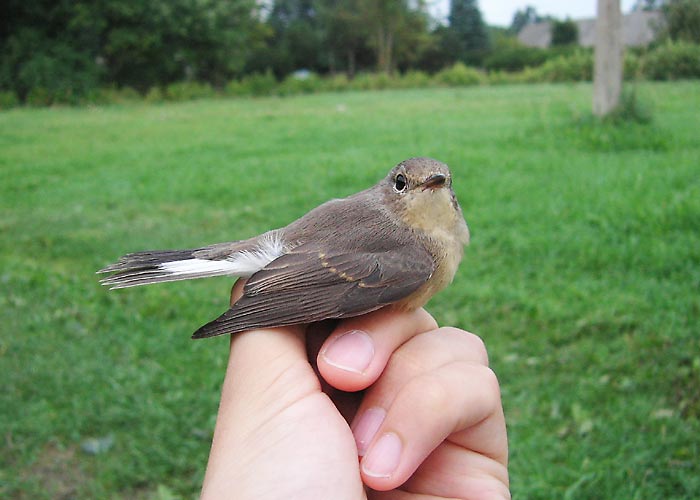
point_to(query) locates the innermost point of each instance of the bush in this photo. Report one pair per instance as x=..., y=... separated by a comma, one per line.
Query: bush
x=8, y=99
x=372, y=81
x=577, y=66
x=459, y=75
x=415, y=80
x=632, y=66
x=515, y=58
x=39, y=96
x=504, y=77
x=336, y=83
x=188, y=91
x=297, y=84
x=258, y=84
x=43, y=72
x=672, y=61
x=154, y=95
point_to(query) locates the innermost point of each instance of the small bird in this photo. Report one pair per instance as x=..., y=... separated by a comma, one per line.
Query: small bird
x=396, y=243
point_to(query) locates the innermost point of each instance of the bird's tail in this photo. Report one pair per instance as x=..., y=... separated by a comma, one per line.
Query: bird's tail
x=158, y=266
x=236, y=258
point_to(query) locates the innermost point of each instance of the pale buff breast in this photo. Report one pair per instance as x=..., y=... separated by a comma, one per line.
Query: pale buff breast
x=439, y=220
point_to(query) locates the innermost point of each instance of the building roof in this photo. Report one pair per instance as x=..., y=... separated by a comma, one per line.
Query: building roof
x=638, y=28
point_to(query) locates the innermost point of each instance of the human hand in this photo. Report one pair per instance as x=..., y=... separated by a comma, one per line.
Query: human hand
x=424, y=408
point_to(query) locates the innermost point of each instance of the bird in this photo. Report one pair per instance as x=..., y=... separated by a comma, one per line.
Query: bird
x=394, y=244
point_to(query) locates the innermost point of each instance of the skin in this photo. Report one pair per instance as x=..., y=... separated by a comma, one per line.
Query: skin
x=418, y=402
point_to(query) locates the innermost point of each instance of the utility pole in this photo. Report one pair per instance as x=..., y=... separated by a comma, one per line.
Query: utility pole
x=607, y=76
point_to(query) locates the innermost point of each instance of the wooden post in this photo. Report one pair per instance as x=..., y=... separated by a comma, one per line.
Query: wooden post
x=607, y=76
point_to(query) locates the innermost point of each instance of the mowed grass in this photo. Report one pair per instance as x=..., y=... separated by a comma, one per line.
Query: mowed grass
x=583, y=276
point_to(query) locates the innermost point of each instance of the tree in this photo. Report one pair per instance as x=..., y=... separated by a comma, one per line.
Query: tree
x=391, y=23
x=607, y=77
x=345, y=33
x=522, y=18
x=564, y=33
x=683, y=20
x=295, y=40
x=468, y=30
x=62, y=49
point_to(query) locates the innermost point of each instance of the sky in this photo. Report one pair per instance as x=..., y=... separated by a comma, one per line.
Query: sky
x=500, y=12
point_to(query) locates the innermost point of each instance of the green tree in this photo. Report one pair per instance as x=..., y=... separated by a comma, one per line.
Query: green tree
x=468, y=31
x=391, y=24
x=522, y=18
x=48, y=50
x=59, y=50
x=296, y=40
x=564, y=32
x=161, y=41
x=683, y=20
x=345, y=34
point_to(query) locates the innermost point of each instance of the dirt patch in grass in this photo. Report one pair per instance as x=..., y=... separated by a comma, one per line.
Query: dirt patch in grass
x=56, y=472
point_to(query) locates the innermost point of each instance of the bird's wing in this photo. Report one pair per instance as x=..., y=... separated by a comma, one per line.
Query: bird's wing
x=308, y=284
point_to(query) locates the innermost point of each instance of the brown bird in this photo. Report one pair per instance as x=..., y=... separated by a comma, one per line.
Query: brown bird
x=396, y=243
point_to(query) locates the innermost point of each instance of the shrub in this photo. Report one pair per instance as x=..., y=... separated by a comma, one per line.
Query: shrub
x=39, y=96
x=258, y=84
x=43, y=71
x=576, y=66
x=372, y=81
x=155, y=94
x=296, y=84
x=672, y=61
x=504, y=77
x=336, y=83
x=415, y=80
x=515, y=58
x=188, y=91
x=632, y=66
x=459, y=75
x=8, y=99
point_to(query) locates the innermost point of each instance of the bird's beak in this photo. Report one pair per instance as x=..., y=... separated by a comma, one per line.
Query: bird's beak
x=434, y=181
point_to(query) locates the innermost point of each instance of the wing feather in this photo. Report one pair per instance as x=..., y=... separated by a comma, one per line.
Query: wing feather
x=308, y=285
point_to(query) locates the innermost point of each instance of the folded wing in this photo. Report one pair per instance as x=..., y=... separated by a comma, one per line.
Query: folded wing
x=308, y=284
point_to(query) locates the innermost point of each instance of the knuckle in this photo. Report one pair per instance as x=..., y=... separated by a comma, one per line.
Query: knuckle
x=426, y=320
x=491, y=388
x=470, y=342
x=433, y=393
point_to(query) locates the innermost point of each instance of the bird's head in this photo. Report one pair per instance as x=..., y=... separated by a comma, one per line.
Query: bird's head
x=420, y=192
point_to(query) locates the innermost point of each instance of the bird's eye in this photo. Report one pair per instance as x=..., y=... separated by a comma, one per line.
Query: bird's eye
x=400, y=183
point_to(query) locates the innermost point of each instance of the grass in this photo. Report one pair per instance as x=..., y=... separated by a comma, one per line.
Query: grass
x=583, y=275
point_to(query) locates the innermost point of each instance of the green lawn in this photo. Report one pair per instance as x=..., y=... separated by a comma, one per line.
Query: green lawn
x=583, y=275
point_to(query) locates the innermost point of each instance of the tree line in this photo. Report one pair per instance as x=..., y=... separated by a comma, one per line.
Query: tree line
x=66, y=48
x=70, y=46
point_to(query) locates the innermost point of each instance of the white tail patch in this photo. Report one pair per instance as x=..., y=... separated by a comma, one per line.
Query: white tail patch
x=243, y=264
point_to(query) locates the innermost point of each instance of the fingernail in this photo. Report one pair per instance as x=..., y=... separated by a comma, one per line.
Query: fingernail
x=383, y=457
x=366, y=427
x=353, y=351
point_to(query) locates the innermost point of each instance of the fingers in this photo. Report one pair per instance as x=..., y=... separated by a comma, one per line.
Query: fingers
x=282, y=353
x=436, y=391
x=355, y=354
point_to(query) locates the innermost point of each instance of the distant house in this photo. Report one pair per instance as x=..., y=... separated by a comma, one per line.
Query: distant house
x=639, y=28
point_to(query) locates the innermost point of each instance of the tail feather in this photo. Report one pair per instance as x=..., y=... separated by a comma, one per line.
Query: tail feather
x=147, y=259
x=236, y=258
x=145, y=268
